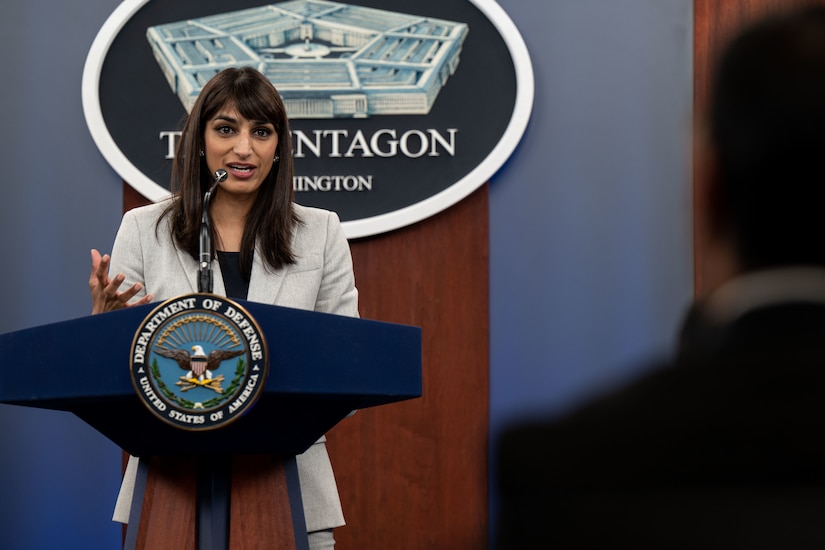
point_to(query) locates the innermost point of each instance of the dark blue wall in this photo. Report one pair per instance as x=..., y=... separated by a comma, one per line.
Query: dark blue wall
x=58, y=477
x=590, y=221
x=590, y=249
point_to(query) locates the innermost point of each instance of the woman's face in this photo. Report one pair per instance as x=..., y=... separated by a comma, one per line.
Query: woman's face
x=244, y=148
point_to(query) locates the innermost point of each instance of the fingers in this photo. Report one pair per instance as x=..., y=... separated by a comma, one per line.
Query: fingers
x=105, y=291
x=109, y=299
x=100, y=269
x=129, y=293
x=121, y=299
x=103, y=270
x=100, y=274
x=143, y=301
x=114, y=284
x=95, y=267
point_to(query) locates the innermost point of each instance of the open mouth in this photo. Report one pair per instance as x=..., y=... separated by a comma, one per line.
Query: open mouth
x=242, y=169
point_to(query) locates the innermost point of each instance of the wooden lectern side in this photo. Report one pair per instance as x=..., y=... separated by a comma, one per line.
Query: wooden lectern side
x=263, y=510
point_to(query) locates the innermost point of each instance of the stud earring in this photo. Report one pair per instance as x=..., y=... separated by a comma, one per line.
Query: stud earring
x=276, y=159
x=202, y=153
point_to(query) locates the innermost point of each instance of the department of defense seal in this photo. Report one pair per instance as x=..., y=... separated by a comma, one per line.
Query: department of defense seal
x=199, y=361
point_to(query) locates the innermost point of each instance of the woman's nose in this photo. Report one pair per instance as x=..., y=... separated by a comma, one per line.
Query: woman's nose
x=242, y=145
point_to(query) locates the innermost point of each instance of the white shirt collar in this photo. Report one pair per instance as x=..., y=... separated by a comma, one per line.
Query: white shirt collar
x=765, y=288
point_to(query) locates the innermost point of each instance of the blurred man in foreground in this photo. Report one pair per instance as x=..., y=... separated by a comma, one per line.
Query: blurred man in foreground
x=724, y=447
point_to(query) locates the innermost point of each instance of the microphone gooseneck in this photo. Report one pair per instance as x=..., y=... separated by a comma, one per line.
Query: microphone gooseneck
x=205, y=282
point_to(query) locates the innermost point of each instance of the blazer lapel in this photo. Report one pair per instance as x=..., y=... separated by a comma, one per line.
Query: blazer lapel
x=192, y=270
x=189, y=268
x=217, y=279
x=264, y=284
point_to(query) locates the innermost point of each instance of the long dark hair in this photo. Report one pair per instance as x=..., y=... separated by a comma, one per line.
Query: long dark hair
x=272, y=217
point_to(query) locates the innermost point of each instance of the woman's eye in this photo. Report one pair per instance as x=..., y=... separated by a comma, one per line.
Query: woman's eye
x=263, y=132
x=223, y=130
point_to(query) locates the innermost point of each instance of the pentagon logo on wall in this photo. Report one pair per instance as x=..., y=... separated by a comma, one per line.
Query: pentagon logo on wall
x=397, y=112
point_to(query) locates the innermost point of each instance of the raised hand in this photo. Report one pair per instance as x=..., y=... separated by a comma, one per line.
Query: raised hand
x=104, y=290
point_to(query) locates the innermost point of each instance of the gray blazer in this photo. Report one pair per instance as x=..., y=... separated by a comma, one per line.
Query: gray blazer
x=322, y=279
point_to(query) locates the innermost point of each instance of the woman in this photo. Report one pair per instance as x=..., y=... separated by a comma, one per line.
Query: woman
x=268, y=249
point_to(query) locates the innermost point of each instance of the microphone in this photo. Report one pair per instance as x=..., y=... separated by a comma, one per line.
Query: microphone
x=205, y=271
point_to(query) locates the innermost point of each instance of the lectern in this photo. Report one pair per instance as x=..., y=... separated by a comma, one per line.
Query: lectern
x=235, y=485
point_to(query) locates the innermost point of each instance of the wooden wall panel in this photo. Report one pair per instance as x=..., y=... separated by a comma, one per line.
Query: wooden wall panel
x=715, y=23
x=131, y=198
x=413, y=475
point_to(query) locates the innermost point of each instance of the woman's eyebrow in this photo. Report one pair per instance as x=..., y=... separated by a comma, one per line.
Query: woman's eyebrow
x=225, y=118
x=228, y=118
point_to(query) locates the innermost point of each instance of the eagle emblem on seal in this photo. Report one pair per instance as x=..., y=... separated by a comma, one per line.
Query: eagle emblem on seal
x=198, y=366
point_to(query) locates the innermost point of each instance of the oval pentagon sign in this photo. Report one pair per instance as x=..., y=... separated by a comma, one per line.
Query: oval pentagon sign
x=397, y=110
